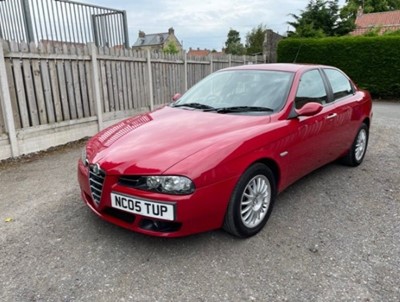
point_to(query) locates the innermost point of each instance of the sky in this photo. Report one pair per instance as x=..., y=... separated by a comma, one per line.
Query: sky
x=205, y=23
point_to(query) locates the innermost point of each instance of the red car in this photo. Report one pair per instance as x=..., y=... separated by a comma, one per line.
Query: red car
x=219, y=155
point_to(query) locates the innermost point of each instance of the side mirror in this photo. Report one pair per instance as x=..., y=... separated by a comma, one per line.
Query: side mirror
x=309, y=109
x=176, y=97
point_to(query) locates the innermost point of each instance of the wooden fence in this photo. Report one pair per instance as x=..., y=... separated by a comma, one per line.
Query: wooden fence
x=51, y=94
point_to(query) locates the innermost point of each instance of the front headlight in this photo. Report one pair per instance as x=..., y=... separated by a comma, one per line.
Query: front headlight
x=169, y=184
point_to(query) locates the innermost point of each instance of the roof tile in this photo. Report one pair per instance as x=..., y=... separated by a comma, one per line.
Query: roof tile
x=379, y=19
x=385, y=20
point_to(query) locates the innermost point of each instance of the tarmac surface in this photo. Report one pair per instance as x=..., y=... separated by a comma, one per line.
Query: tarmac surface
x=332, y=236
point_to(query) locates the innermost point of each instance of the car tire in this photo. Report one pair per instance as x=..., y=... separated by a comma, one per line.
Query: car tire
x=251, y=202
x=356, y=154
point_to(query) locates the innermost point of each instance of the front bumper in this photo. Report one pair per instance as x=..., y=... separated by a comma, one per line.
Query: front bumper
x=201, y=211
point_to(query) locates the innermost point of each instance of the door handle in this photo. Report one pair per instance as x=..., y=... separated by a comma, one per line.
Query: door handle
x=331, y=116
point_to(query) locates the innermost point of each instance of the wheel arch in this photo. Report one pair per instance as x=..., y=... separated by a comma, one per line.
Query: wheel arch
x=367, y=121
x=270, y=163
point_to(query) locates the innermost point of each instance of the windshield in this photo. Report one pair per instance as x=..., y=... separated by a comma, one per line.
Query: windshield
x=244, y=88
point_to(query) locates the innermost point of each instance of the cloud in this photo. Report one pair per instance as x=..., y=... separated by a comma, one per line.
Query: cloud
x=205, y=23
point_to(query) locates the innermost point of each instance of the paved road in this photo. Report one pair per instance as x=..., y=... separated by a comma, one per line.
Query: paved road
x=333, y=236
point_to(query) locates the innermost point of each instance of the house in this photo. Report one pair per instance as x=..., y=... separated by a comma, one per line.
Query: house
x=198, y=52
x=204, y=53
x=157, y=42
x=385, y=21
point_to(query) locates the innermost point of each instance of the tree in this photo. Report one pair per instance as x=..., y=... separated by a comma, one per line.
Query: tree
x=171, y=48
x=233, y=45
x=351, y=8
x=319, y=19
x=255, y=40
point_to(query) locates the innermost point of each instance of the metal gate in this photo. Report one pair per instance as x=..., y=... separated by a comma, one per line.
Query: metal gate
x=62, y=21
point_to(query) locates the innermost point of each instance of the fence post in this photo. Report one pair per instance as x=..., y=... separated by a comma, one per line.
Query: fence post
x=185, y=72
x=211, y=63
x=5, y=100
x=126, y=32
x=28, y=21
x=96, y=86
x=230, y=60
x=244, y=60
x=95, y=31
x=150, y=79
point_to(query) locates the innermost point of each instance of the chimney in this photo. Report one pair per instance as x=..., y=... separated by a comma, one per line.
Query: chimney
x=141, y=34
x=171, y=31
x=360, y=11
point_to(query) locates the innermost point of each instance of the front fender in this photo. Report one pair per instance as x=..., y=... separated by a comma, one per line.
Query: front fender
x=229, y=159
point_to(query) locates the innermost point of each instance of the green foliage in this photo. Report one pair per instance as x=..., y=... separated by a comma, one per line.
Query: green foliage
x=171, y=48
x=320, y=19
x=233, y=45
x=373, y=32
x=369, y=6
x=255, y=40
x=377, y=31
x=392, y=33
x=372, y=62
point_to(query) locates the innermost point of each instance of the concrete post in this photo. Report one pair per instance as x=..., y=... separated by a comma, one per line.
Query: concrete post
x=150, y=79
x=96, y=86
x=185, y=72
x=6, y=106
x=211, y=63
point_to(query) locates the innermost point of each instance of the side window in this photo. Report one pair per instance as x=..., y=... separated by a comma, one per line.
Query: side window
x=311, y=89
x=340, y=84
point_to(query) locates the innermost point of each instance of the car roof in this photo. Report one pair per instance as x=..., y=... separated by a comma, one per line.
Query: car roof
x=276, y=67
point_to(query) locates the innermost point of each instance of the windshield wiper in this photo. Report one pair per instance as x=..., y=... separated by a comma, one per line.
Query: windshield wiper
x=195, y=105
x=243, y=109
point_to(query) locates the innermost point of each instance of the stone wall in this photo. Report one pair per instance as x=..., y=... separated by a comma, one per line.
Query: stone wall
x=271, y=41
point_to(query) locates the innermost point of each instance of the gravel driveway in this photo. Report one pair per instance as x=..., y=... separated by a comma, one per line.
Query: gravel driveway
x=333, y=236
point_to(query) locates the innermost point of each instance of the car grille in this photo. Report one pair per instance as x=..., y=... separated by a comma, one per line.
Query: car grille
x=96, y=181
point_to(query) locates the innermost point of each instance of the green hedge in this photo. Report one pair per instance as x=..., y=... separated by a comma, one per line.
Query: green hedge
x=372, y=62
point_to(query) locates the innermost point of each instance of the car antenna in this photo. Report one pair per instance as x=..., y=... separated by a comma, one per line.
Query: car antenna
x=298, y=51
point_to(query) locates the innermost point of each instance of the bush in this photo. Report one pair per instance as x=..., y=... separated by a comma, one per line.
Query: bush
x=372, y=62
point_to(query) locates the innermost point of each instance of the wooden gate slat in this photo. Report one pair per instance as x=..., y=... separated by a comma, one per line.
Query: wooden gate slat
x=20, y=87
x=89, y=78
x=67, y=87
x=119, y=86
x=37, y=79
x=29, y=89
x=103, y=84
x=128, y=87
x=124, y=86
x=47, y=90
x=83, y=82
x=76, y=89
x=62, y=72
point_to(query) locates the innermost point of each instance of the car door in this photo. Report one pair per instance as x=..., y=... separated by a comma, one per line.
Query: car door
x=346, y=121
x=312, y=145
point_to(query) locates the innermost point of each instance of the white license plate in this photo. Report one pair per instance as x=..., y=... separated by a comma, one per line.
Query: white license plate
x=146, y=208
